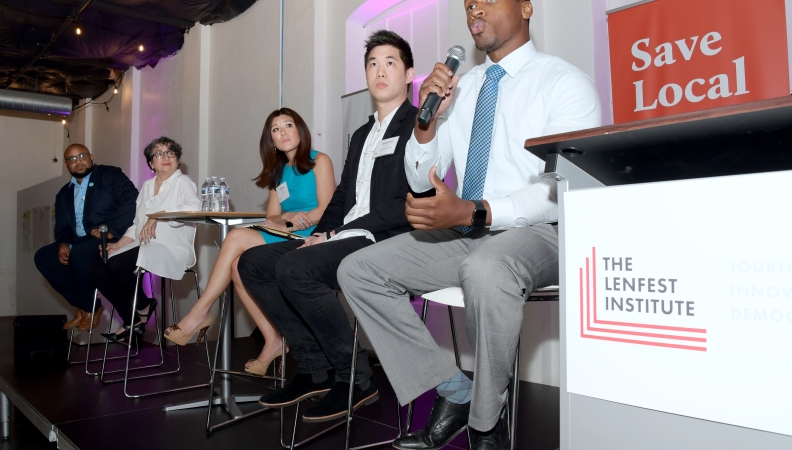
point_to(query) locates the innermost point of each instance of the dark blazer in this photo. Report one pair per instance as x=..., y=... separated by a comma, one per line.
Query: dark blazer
x=389, y=188
x=109, y=200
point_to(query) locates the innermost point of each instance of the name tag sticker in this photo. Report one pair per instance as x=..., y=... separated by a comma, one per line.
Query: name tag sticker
x=153, y=203
x=386, y=147
x=283, y=192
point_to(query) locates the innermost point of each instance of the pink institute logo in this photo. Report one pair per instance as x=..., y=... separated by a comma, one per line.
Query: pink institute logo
x=646, y=298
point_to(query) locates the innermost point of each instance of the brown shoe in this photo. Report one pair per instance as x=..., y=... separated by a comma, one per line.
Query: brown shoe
x=85, y=324
x=78, y=315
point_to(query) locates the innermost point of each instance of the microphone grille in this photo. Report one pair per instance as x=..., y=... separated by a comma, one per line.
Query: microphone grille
x=103, y=228
x=457, y=52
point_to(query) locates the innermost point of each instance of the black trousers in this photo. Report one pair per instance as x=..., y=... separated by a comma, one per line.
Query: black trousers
x=72, y=281
x=294, y=287
x=116, y=281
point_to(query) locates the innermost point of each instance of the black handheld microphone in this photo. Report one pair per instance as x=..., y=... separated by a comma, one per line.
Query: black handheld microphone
x=103, y=233
x=455, y=57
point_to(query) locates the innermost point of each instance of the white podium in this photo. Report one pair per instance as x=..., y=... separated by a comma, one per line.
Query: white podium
x=676, y=280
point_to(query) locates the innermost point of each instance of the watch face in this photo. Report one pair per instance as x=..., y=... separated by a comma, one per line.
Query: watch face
x=479, y=215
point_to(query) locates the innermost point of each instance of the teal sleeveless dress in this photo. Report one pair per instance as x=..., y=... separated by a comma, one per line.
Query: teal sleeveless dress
x=302, y=197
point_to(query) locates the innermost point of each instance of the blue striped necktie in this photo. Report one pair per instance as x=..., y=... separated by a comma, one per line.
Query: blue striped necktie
x=481, y=137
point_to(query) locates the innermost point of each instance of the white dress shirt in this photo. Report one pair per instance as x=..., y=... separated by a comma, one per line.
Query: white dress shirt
x=539, y=95
x=366, y=166
x=363, y=179
x=172, y=250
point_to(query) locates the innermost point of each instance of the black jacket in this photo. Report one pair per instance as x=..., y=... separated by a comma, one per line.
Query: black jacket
x=109, y=200
x=386, y=217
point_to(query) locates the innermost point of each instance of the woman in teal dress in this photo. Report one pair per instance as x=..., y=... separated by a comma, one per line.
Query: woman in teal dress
x=300, y=190
x=300, y=183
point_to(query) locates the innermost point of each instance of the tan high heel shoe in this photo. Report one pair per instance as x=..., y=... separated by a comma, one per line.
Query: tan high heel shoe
x=257, y=367
x=179, y=337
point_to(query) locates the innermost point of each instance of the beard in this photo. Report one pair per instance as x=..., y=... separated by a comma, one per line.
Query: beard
x=486, y=44
x=82, y=174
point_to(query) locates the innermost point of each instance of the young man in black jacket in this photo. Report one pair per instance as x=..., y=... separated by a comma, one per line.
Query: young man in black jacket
x=96, y=195
x=293, y=281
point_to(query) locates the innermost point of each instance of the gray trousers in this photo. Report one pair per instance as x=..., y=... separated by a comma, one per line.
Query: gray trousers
x=496, y=270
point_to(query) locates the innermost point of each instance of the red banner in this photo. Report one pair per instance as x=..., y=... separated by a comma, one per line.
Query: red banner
x=675, y=56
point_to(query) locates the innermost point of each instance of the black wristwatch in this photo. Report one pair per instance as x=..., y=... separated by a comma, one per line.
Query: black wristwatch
x=479, y=215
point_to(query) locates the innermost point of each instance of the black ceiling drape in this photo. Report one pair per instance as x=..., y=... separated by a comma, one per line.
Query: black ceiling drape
x=112, y=32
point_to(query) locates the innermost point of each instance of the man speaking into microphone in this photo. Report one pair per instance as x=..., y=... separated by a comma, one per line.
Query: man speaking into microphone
x=495, y=236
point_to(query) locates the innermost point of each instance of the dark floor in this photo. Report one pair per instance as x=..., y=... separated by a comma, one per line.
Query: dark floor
x=92, y=415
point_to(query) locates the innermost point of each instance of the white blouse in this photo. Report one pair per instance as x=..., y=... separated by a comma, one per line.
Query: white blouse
x=172, y=250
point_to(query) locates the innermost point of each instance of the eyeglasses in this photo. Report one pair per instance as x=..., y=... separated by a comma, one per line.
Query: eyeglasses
x=75, y=158
x=162, y=155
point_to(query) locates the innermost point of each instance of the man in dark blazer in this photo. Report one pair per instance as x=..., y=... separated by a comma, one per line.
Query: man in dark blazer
x=293, y=281
x=96, y=195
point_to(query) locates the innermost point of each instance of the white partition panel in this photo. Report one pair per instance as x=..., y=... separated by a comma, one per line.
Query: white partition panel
x=677, y=310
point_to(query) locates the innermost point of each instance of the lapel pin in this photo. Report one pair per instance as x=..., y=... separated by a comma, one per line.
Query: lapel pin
x=90, y=184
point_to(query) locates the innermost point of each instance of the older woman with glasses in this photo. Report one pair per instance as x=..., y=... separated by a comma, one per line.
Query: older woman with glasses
x=164, y=249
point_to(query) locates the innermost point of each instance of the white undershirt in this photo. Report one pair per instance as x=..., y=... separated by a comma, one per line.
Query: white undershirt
x=366, y=166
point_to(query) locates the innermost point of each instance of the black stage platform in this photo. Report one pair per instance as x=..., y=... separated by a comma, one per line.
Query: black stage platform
x=82, y=413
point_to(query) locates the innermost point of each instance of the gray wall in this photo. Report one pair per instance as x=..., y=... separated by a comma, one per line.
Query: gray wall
x=35, y=296
x=29, y=143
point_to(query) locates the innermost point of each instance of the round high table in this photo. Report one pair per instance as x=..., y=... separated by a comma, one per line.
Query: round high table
x=224, y=220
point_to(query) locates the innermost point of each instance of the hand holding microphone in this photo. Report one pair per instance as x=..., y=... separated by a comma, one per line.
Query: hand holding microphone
x=437, y=90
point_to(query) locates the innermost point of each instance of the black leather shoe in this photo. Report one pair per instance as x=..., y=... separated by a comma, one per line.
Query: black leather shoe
x=336, y=403
x=494, y=439
x=446, y=421
x=298, y=389
x=138, y=329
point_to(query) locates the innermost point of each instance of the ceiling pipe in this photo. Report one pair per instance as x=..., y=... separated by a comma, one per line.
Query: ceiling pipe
x=66, y=24
x=35, y=103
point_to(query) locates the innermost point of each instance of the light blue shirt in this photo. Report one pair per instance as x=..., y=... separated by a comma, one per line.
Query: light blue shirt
x=80, y=190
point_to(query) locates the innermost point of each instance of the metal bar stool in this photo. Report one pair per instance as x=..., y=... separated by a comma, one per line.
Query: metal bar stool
x=90, y=337
x=454, y=297
x=350, y=414
x=278, y=375
x=140, y=271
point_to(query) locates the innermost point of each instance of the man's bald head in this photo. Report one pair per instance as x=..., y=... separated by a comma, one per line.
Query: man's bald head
x=78, y=160
x=77, y=148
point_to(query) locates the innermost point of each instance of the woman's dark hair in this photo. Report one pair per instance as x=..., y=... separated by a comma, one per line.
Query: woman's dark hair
x=385, y=37
x=274, y=161
x=172, y=145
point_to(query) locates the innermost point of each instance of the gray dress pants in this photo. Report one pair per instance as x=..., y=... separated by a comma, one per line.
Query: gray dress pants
x=496, y=270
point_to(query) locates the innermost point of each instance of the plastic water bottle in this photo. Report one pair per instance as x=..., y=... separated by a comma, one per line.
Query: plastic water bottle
x=214, y=194
x=224, y=192
x=205, y=203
